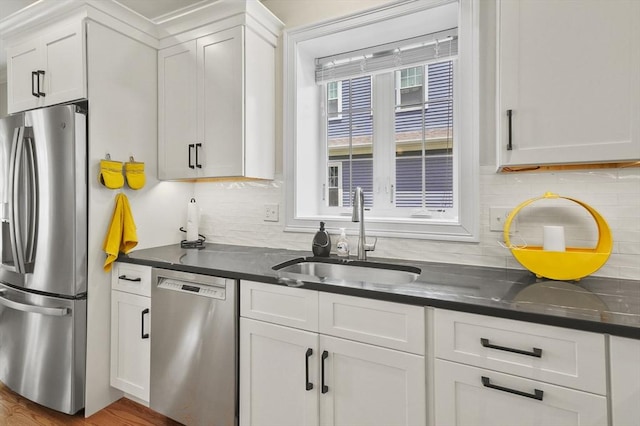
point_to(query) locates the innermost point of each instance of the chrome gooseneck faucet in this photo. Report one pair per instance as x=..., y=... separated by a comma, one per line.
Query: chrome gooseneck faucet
x=358, y=216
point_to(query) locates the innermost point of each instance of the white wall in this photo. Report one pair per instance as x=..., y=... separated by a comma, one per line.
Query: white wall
x=232, y=212
x=122, y=88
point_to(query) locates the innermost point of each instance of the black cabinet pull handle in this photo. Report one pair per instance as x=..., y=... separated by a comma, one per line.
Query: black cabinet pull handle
x=34, y=74
x=40, y=72
x=509, y=143
x=126, y=278
x=198, y=146
x=537, y=393
x=537, y=352
x=325, y=388
x=191, y=146
x=143, y=334
x=308, y=385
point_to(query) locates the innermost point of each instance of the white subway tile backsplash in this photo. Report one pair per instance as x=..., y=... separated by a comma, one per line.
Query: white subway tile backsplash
x=233, y=214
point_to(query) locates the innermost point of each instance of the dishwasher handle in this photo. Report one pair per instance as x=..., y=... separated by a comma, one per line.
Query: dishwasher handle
x=143, y=335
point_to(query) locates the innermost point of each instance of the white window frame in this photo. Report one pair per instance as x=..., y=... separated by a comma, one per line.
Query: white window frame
x=303, y=127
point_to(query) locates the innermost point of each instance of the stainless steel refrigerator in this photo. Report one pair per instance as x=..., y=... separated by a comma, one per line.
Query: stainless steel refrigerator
x=43, y=250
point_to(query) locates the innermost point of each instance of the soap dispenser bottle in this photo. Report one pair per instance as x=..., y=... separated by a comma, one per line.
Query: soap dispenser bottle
x=321, y=246
x=342, y=244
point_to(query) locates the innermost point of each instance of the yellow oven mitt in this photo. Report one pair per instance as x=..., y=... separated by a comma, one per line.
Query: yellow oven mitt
x=134, y=172
x=111, y=174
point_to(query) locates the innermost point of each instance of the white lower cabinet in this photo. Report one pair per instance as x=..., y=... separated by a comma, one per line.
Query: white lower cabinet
x=471, y=396
x=130, y=329
x=273, y=375
x=625, y=381
x=296, y=377
x=492, y=371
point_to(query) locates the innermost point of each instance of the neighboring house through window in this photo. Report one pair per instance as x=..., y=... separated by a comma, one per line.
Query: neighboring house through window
x=394, y=117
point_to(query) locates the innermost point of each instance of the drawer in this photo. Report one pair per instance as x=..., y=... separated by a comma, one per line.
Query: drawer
x=472, y=396
x=566, y=357
x=131, y=278
x=387, y=324
x=293, y=307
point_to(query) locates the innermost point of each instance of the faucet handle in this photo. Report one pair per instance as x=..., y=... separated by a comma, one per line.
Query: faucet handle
x=371, y=247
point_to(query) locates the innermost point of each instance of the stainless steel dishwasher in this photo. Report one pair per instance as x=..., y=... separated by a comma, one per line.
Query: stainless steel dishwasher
x=194, y=363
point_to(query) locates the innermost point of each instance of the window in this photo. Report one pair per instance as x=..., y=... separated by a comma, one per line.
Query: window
x=409, y=87
x=384, y=101
x=334, y=100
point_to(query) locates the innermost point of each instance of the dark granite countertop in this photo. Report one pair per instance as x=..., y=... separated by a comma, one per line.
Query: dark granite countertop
x=605, y=305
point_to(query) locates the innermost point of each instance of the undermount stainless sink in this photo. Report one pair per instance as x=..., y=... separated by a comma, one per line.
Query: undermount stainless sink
x=336, y=271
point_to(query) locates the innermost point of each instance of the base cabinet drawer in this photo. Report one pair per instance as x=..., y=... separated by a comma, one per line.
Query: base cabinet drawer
x=561, y=356
x=470, y=396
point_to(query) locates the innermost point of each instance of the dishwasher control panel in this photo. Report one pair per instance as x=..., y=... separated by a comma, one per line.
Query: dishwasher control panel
x=192, y=288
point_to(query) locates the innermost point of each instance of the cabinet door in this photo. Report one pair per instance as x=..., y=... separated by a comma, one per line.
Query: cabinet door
x=22, y=61
x=570, y=73
x=130, y=356
x=369, y=385
x=276, y=386
x=64, y=59
x=462, y=398
x=177, y=133
x=221, y=103
x=625, y=381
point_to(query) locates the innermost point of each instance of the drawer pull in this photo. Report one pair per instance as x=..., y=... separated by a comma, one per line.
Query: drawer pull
x=308, y=384
x=537, y=352
x=537, y=393
x=126, y=278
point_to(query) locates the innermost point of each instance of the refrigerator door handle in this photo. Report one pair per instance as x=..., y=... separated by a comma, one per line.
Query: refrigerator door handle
x=33, y=309
x=23, y=256
x=14, y=214
x=33, y=202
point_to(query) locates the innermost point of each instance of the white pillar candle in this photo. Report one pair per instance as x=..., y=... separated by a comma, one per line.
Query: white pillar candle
x=553, y=238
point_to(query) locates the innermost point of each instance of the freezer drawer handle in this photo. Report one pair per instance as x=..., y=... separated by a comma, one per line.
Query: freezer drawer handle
x=486, y=382
x=308, y=385
x=325, y=388
x=126, y=278
x=142, y=333
x=32, y=309
x=537, y=352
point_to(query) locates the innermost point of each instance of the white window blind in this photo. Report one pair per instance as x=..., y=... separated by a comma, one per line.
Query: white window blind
x=418, y=50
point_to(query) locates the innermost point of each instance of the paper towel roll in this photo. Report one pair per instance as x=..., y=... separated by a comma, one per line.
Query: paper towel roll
x=553, y=238
x=193, y=219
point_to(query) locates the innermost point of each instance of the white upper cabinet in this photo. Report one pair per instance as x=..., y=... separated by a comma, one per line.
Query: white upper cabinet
x=569, y=73
x=216, y=96
x=47, y=68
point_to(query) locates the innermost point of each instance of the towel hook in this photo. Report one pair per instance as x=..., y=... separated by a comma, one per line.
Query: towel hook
x=108, y=156
x=131, y=159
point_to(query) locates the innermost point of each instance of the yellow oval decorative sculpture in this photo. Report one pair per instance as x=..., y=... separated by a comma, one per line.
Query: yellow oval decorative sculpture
x=572, y=264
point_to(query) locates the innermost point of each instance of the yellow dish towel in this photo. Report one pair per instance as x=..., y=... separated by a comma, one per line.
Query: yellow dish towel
x=121, y=235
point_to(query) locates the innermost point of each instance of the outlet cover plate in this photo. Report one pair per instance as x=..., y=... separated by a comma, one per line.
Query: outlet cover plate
x=498, y=217
x=271, y=212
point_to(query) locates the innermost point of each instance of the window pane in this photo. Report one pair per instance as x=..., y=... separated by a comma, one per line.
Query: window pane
x=424, y=142
x=350, y=140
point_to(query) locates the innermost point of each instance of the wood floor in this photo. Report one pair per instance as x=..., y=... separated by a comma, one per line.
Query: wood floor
x=18, y=411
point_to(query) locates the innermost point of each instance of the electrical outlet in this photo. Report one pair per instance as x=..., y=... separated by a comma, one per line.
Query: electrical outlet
x=498, y=217
x=271, y=212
